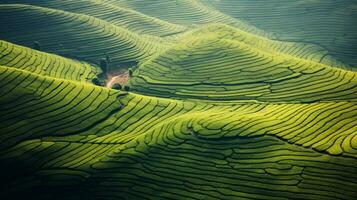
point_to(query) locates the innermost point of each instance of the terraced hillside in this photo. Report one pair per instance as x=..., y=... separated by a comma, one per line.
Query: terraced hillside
x=44, y=64
x=116, y=15
x=127, y=145
x=74, y=35
x=328, y=23
x=225, y=64
x=215, y=108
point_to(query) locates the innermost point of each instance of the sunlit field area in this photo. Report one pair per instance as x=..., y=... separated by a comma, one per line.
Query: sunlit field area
x=178, y=99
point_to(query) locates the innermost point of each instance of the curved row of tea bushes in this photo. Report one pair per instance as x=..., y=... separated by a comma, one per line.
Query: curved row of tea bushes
x=98, y=143
x=123, y=17
x=330, y=24
x=41, y=63
x=241, y=67
x=246, y=117
x=34, y=106
x=189, y=13
x=74, y=35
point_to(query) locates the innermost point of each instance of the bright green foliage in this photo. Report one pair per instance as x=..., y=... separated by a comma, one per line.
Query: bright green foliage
x=113, y=139
x=43, y=63
x=223, y=63
x=214, y=109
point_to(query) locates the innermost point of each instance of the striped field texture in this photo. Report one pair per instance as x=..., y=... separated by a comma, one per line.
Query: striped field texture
x=225, y=101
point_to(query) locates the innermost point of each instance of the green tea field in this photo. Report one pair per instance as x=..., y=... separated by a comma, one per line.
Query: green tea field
x=178, y=99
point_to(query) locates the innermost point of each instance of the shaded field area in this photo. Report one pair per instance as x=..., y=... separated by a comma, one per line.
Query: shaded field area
x=214, y=101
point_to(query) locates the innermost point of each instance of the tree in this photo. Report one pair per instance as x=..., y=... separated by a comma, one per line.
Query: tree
x=37, y=45
x=130, y=72
x=104, y=66
x=117, y=86
x=96, y=81
x=126, y=88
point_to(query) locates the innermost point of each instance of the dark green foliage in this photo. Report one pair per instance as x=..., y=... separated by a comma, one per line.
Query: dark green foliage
x=135, y=65
x=117, y=86
x=126, y=88
x=103, y=63
x=98, y=81
x=60, y=47
x=37, y=45
x=107, y=57
x=241, y=115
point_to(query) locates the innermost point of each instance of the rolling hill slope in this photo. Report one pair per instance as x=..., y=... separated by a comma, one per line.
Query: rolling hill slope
x=331, y=24
x=116, y=15
x=151, y=17
x=74, y=35
x=215, y=108
x=189, y=13
x=223, y=64
x=44, y=64
x=131, y=146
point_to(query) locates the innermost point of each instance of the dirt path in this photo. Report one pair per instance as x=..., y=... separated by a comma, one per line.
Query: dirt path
x=121, y=78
